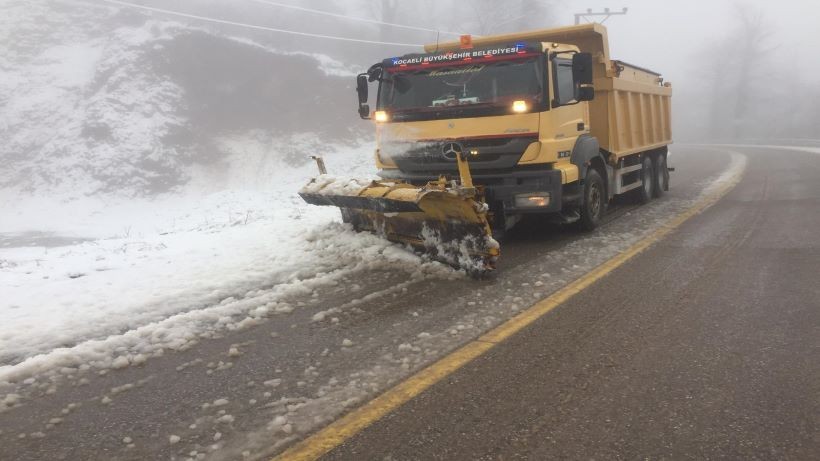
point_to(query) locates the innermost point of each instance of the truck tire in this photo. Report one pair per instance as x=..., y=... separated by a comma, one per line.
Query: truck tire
x=661, y=176
x=594, y=202
x=498, y=224
x=644, y=193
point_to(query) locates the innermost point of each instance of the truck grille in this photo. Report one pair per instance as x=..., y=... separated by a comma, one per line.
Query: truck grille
x=433, y=157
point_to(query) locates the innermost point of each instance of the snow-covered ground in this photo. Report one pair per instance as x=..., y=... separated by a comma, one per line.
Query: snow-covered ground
x=142, y=204
x=160, y=273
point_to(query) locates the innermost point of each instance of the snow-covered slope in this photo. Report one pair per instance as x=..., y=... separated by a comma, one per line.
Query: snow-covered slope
x=102, y=100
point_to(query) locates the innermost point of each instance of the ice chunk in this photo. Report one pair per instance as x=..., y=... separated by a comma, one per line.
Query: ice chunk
x=120, y=362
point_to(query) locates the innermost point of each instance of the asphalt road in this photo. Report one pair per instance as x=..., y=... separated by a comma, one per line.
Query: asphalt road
x=706, y=346
x=702, y=323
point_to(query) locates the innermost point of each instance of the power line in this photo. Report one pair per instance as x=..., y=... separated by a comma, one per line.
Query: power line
x=252, y=26
x=351, y=18
x=589, y=12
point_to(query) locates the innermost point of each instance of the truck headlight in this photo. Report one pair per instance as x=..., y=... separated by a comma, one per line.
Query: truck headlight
x=380, y=116
x=519, y=106
x=532, y=200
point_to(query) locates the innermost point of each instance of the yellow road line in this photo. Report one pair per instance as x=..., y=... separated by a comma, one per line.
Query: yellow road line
x=349, y=425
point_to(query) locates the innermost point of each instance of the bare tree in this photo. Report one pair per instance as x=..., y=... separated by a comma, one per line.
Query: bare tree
x=733, y=78
x=493, y=17
x=536, y=14
x=752, y=50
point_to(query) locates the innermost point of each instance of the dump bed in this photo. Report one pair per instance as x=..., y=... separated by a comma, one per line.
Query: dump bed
x=631, y=111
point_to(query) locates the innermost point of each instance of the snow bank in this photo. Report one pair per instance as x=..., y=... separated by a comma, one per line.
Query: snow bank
x=223, y=293
x=737, y=165
x=119, y=299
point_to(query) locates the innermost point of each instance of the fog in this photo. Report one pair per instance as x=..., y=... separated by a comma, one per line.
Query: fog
x=105, y=96
x=740, y=69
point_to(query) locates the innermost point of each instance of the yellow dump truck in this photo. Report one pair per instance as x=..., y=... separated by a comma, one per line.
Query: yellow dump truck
x=473, y=134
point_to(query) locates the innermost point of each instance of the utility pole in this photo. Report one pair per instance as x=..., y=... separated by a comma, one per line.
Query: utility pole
x=589, y=12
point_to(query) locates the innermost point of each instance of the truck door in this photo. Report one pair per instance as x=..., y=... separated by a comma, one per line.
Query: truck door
x=567, y=118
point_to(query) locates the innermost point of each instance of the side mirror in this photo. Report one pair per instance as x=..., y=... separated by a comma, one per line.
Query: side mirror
x=364, y=111
x=586, y=93
x=361, y=88
x=582, y=68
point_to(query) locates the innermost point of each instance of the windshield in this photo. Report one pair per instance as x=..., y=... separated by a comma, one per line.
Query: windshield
x=466, y=89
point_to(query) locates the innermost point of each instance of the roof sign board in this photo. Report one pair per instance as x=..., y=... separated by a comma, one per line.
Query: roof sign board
x=463, y=55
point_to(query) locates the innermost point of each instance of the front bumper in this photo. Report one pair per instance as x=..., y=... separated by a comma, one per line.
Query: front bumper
x=501, y=188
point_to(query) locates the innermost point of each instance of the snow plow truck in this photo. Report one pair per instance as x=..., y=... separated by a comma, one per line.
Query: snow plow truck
x=474, y=134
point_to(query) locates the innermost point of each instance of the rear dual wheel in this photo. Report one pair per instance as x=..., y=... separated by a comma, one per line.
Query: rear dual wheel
x=661, y=182
x=646, y=191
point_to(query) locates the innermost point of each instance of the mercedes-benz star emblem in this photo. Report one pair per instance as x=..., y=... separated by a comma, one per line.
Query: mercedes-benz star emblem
x=451, y=150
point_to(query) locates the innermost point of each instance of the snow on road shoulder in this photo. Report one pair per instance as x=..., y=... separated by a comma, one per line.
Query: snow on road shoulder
x=811, y=150
x=162, y=280
x=176, y=289
x=733, y=173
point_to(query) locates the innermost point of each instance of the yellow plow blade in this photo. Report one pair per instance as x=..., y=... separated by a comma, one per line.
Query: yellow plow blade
x=445, y=221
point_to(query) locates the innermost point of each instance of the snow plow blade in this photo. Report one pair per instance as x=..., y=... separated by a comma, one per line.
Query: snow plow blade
x=444, y=220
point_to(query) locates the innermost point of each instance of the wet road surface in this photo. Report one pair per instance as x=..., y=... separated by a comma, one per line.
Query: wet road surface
x=704, y=346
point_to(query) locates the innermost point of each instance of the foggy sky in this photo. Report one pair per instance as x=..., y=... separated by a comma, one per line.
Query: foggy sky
x=657, y=34
x=697, y=45
x=667, y=36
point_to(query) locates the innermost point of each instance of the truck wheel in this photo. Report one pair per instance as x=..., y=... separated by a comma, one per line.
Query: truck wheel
x=498, y=229
x=661, y=183
x=595, y=199
x=644, y=193
x=498, y=221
